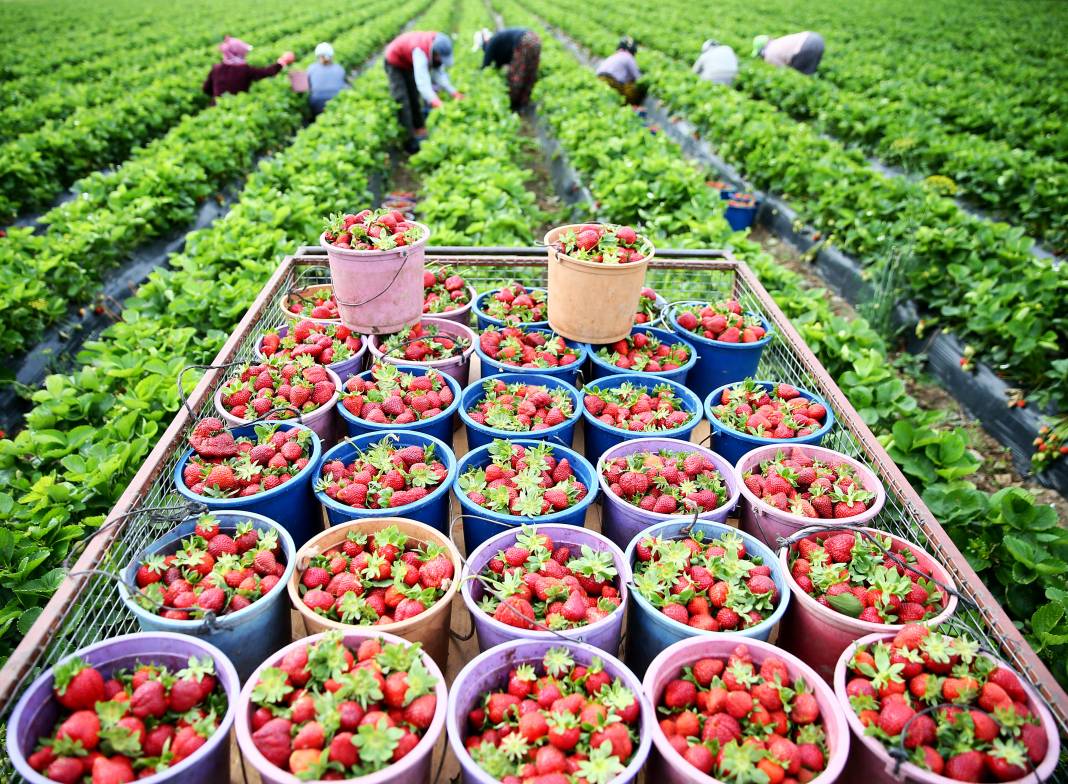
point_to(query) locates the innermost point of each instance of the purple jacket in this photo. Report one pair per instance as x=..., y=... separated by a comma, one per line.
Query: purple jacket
x=235, y=78
x=621, y=66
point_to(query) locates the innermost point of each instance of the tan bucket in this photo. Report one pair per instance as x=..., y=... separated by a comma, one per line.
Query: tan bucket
x=430, y=628
x=590, y=302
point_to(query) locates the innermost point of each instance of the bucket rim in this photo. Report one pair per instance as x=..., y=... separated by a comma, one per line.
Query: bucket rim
x=574, y=367
x=664, y=335
x=769, y=329
x=647, y=381
x=314, y=415
x=370, y=255
x=450, y=382
x=644, y=241
x=289, y=315
x=446, y=314
x=482, y=314
x=365, y=340
x=465, y=356
x=811, y=438
x=474, y=391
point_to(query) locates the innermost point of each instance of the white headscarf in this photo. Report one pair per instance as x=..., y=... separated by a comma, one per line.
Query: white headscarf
x=482, y=38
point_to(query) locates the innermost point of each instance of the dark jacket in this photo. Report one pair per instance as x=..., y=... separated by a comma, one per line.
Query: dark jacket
x=499, y=49
x=235, y=78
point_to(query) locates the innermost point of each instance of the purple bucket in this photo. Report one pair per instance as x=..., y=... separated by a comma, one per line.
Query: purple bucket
x=462, y=314
x=668, y=767
x=605, y=634
x=414, y=768
x=344, y=369
x=621, y=522
x=489, y=671
x=457, y=367
x=37, y=711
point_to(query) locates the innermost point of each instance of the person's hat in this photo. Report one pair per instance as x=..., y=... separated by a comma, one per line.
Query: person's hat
x=629, y=44
x=442, y=47
x=482, y=38
x=324, y=50
x=709, y=44
x=759, y=43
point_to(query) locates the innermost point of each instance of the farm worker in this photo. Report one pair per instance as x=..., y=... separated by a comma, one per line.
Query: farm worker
x=416, y=64
x=621, y=71
x=520, y=50
x=800, y=51
x=325, y=78
x=717, y=63
x=233, y=74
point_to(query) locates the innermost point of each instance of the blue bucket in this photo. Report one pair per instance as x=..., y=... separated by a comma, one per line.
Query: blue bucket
x=602, y=367
x=292, y=504
x=440, y=427
x=476, y=530
x=243, y=635
x=720, y=363
x=481, y=435
x=740, y=212
x=485, y=320
x=601, y=437
x=432, y=509
x=732, y=444
x=649, y=631
x=568, y=373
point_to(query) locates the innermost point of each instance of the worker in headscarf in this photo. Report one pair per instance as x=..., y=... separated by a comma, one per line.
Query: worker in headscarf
x=800, y=51
x=717, y=63
x=233, y=74
x=621, y=71
x=325, y=78
x=417, y=65
x=520, y=50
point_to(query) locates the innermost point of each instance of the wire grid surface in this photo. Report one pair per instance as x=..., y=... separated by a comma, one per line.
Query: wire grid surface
x=99, y=613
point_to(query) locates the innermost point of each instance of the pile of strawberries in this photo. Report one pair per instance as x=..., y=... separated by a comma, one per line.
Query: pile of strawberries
x=723, y=321
x=852, y=574
x=521, y=408
x=734, y=720
x=373, y=579
x=371, y=230
x=555, y=721
x=317, y=305
x=516, y=304
x=393, y=396
x=384, y=476
x=224, y=467
x=988, y=733
x=710, y=586
x=637, y=408
x=527, y=348
x=523, y=481
x=325, y=343
x=794, y=482
x=443, y=292
x=647, y=307
x=131, y=725
x=603, y=243
x=643, y=352
x=327, y=711
x=536, y=584
x=276, y=386
x=780, y=412
x=423, y=343
x=666, y=482
x=212, y=572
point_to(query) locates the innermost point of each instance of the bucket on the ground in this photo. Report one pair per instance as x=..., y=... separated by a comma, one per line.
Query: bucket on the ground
x=741, y=211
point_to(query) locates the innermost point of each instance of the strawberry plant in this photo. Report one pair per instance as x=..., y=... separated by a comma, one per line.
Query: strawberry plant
x=644, y=352
x=384, y=476
x=648, y=310
x=968, y=718
x=130, y=725
x=723, y=321
x=778, y=412
x=521, y=408
x=443, y=292
x=393, y=396
x=636, y=407
x=796, y=483
x=527, y=348
x=423, y=342
x=275, y=387
x=516, y=304
x=526, y=481
x=581, y=724
x=326, y=710
x=666, y=482
x=709, y=586
x=384, y=577
x=317, y=304
x=371, y=230
x=742, y=721
x=222, y=466
x=603, y=244
x=325, y=343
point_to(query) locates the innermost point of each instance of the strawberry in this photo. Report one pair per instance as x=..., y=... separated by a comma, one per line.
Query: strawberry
x=77, y=685
x=112, y=770
x=966, y=766
x=748, y=407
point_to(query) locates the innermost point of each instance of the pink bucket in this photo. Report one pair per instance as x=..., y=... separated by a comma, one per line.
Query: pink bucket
x=458, y=367
x=378, y=292
x=668, y=767
x=462, y=314
x=295, y=297
x=819, y=634
x=767, y=523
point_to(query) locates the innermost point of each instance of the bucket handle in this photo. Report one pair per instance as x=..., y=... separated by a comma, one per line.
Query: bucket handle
x=460, y=342
x=183, y=371
x=405, y=255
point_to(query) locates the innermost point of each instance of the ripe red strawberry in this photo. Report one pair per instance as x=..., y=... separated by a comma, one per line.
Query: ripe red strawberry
x=77, y=685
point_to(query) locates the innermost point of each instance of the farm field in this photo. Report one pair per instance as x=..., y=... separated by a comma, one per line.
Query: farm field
x=929, y=148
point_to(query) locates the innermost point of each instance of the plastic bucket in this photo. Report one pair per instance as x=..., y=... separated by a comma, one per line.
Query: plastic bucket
x=720, y=363
x=604, y=634
x=414, y=768
x=601, y=437
x=482, y=435
x=431, y=628
x=621, y=522
x=242, y=635
x=668, y=767
x=432, y=509
x=734, y=445
x=458, y=367
x=489, y=671
x=296, y=296
x=603, y=368
x=462, y=314
x=767, y=523
x=870, y=762
x=440, y=426
x=484, y=320
x=477, y=531
x=740, y=212
x=291, y=504
x=344, y=369
x=38, y=710
x=572, y=282
x=322, y=420
x=568, y=373
x=649, y=631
